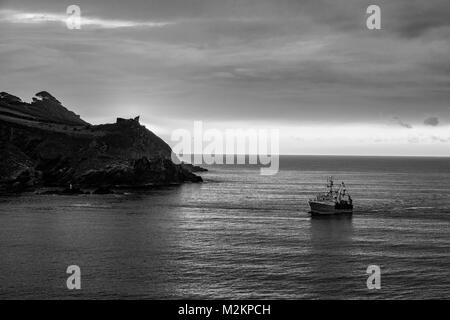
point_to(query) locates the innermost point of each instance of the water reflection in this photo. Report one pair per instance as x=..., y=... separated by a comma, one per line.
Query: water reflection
x=331, y=239
x=337, y=229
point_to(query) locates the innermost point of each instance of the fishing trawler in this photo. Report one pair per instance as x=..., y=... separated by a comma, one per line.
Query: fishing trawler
x=333, y=201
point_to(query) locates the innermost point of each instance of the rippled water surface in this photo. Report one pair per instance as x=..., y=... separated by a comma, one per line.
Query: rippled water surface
x=239, y=235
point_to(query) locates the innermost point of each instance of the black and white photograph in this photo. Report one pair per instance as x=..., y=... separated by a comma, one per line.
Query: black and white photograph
x=224, y=150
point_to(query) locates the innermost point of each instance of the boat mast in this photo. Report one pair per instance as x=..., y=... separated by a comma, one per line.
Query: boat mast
x=330, y=184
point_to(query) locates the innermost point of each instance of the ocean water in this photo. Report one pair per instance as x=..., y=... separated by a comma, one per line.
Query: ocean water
x=239, y=235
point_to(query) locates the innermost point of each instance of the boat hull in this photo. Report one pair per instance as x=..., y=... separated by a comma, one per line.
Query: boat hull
x=324, y=208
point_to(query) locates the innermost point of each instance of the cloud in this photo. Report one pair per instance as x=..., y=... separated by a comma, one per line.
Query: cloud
x=431, y=121
x=415, y=18
x=401, y=123
x=14, y=16
x=289, y=61
x=440, y=139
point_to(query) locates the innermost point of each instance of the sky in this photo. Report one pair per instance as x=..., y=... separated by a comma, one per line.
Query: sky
x=309, y=68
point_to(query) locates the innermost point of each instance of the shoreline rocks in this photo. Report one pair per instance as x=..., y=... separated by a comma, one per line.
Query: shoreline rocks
x=38, y=154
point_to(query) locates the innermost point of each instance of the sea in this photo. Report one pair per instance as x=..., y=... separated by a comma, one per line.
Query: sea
x=239, y=235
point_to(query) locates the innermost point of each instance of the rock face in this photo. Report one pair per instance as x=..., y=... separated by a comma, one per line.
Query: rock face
x=44, y=108
x=193, y=168
x=45, y=145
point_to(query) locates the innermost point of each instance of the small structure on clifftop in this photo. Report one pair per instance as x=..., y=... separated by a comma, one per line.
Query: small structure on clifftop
x=122, y=120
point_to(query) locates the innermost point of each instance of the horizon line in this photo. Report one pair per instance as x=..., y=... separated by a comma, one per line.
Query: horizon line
x=334, y=155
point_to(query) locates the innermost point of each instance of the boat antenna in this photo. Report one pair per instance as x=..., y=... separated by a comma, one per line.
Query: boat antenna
x=330, y=183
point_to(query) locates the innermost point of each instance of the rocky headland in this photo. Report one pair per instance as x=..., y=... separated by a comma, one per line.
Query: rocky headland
x=45, y=145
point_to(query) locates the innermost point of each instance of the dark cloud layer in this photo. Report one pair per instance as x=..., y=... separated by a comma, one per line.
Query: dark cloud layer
x=402, y=123
x=431, y=121
x=286, y=60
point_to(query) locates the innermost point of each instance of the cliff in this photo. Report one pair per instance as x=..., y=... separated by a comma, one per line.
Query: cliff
x=45, y=145
x=44, y=107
